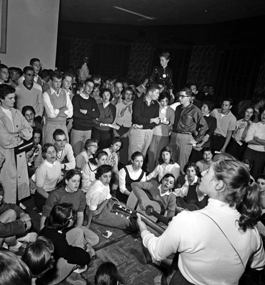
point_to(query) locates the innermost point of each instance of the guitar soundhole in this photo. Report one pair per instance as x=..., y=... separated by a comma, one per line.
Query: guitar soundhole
x=149, y=210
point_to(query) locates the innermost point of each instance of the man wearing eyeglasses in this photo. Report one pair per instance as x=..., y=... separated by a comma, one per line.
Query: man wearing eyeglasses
x=188, y=129
x=65, y=152
x=29, y=93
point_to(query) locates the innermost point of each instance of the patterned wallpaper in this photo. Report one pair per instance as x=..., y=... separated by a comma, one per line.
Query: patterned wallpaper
x=201, y=64
x=260, y=83
x=79, y=49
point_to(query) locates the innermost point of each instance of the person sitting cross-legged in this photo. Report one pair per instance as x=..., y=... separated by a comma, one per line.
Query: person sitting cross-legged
x=14, y=224
x=161, y=192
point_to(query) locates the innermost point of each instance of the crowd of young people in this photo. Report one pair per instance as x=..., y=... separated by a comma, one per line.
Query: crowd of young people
x=81, y=145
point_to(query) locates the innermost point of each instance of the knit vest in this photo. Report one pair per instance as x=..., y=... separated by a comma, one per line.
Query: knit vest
x=57, y=103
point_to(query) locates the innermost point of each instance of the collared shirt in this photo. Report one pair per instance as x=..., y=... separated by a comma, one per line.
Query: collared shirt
x=68, y=153
x=167, y=193
x=256, y=130
x=190, y=119
x=50, y=110
x=124, y=114
x=225, y=123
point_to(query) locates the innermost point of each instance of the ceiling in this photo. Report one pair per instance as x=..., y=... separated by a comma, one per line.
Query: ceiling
x=159, y=12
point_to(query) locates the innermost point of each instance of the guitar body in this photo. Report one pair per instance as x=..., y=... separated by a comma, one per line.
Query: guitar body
x=182, y=205
x=158, y=207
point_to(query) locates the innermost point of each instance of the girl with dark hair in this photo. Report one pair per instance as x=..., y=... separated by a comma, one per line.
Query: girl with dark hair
x=39, y=257
x=101, y=129
x=161, y=192
x=68, y=242
x=29, y=113
x=13, y=269
x=162, y=75
x=70, y=192
x=215, y=243
x=161, y=132
x=166, y=164
x=90, y=169
x=107, y=274
x=100, y=203
x=129, y=174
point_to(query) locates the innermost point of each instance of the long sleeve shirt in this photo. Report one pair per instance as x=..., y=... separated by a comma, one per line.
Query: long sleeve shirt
x=84, y=121
x=162, y=76
x=190, y=120
x=162, y=169
x=142, y=113
x=52, y=112
x=67, y=153
x=206, y=256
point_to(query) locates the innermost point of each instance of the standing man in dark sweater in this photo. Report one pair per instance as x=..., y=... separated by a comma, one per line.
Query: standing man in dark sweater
x=85, y=109
x=145, y=117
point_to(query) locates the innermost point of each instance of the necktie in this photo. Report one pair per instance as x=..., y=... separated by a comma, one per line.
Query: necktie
x=244, y=134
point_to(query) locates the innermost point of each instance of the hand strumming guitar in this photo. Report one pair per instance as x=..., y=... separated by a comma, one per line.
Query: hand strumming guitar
x=142, y=226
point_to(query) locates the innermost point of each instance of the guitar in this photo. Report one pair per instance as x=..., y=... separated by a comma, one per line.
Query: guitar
x=182, y=205
x=120, y=209
x=147, y=199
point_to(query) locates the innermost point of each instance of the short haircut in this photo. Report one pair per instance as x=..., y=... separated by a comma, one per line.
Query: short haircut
x=89, y=142
x=28, y=108
x=206, y=149
x=106, y=274
x=45, y=73
x=27, y=68
x=166, y=55
x=230, y=100
x=97, y=156
x=89, y=80
x=3, y=66
x=67, y=74
x=136, y=154
x=58, y=132
x=106, y=90
x=130, y=89
x=70, y=174
x=168, y=175
x=117, y=139
x=16, y=69
x=96, y=77
x=33, y=60
x=102, y=170
x=152, y=88
x=13, y=269
x=45, y=149
x=192, y=164
x=5, y=90
x=209, y=104
x=37, y=131
x=186, y=90
x=261, y=176
x=166, y=149
x=56, y=74
x=163, y=95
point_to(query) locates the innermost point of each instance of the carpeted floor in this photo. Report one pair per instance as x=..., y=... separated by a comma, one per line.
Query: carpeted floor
x=122, y=249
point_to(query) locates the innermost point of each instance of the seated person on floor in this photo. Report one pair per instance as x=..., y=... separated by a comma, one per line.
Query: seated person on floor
x=47, y=175
x=166, y=164
x=65, y=154
x=91, y=147
x=100, y=203
x=113, y=160
x=90, y=169
x=187, y=185
x=107, y=274
x=14, y=222
x=161, y=192
x=207, y=159
x=129, y=174
x=39, y=258
x=69, y=244
x=71, y=193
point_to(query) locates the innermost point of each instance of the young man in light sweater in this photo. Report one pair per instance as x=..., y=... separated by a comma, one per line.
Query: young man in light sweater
x=58, y=107
x=29, y=93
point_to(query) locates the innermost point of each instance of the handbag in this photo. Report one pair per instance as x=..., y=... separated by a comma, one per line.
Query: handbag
x=25, y=146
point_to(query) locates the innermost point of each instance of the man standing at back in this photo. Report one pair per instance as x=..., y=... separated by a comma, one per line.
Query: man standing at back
x=188, y=129
x=29, y=93
x=58, y=107
x=226, y=124
x=145, y=117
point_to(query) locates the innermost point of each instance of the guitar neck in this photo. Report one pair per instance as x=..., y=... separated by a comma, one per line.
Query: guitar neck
x=161, y=218
x=152, y=224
